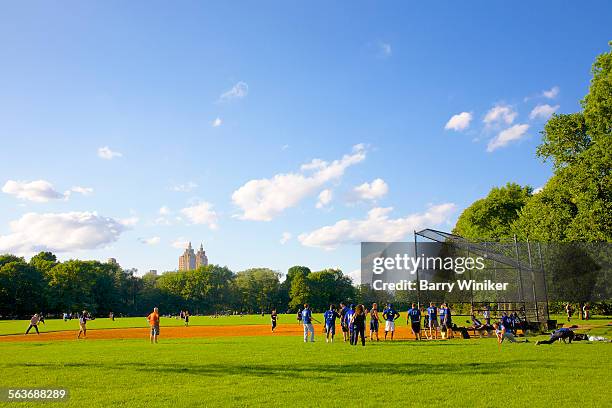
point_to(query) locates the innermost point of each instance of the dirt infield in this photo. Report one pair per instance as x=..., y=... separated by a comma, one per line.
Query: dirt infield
x=190, y=332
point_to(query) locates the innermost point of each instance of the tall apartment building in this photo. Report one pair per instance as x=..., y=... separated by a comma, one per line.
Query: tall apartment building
x=192, y=260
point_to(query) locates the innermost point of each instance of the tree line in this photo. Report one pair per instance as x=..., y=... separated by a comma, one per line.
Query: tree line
x=45, y=285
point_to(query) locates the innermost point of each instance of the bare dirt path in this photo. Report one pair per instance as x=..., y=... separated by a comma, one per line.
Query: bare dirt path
x=191, y=332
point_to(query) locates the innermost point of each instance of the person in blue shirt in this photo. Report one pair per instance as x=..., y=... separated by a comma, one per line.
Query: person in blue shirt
x=350, y=311
x=330, y=317
x=307, y=322
x=506, y=321
x=561, y=334
x=343, y=310
x=446, y=321
x=432, y=315
x=390, y=314
x=414, y=320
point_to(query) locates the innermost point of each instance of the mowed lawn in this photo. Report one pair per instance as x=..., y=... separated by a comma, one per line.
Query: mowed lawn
x=284, y=371
x=20, y=326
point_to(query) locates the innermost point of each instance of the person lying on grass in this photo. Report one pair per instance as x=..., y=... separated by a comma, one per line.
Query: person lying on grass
x=503, y=334
x=562, y=334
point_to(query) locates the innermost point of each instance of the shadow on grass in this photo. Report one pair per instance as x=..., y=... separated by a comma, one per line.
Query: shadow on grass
x=293, y=371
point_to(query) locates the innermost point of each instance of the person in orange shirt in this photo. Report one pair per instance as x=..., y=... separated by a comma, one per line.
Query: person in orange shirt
x=153, y=319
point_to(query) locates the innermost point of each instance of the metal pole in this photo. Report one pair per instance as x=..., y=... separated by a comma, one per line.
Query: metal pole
x=520, y=273
x=535, y=299
x=543, y=271
x=416, y=254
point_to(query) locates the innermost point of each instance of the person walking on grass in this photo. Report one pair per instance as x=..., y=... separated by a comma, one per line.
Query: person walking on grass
x=569, y=311
x=83, y=324
x=307, y=322
x=34, y=323
x=414, y=320
x=432, y=315
x=390, y=315
x=153, y=320
x=374, y=322
x=330, y=317
x=358, y=323
x=273, y=317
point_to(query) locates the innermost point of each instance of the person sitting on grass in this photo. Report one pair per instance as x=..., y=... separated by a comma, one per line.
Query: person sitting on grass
x=330, y=317
x=503, y=334
x=477, y=325
x=562, y=334
x=34, y=324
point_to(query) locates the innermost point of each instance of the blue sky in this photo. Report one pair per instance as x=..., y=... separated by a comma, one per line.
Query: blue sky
x=210, y=110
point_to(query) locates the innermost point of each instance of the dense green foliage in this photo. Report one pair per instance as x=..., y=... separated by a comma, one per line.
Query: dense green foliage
x=576, y=203
x=45, y=285
x=283, y=371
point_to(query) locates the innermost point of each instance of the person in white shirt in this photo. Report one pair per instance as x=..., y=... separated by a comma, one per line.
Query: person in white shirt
x=34, y=323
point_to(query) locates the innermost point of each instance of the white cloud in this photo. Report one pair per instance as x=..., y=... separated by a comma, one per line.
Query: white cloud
x=150, y=241
x=371, y=191
x=39, y=191
x=130, y=221
x=263, y=199
x=543, y=111
x=377, y=226
x=459, y=122
x=325, y=198
x=285, y=238
x=385, y=49
x=184, y=188
x=180, y=243
x=82, y=190
x=238, y=91
x=201, y=213
x=500, y=114
x=506, y=136
x=60, y=232
x=107, y=154
x=538, y=190
x=164, y=210
x=551, y=93
x=217, y=122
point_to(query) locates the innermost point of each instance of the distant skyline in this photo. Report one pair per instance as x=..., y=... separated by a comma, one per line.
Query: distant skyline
x=275, y=134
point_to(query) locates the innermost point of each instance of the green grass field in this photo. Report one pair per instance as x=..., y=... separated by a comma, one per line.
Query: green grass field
x=283, y=371
x=19, y=326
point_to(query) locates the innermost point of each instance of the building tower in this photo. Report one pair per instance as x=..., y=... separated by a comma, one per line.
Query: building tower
x=187, y=261
x=200, y=257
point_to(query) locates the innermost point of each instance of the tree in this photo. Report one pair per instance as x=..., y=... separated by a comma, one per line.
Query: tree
x=21, y=289
x=491, y=218
x=258, y=289
x=576, y=203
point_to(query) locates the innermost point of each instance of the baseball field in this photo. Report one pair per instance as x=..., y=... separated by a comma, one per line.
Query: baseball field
x=238, y=360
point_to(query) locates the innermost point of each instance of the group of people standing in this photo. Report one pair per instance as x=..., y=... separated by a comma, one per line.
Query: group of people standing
x=353, y=322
